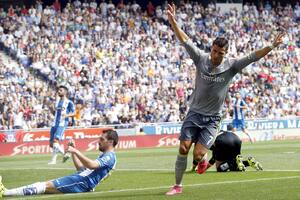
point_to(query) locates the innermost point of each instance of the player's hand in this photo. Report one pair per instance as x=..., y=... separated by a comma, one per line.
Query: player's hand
x=71, y=143
x=278, y=40
x=171, y=13
x=71, y=149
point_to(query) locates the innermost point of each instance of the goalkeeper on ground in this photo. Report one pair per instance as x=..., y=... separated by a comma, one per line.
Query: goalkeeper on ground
x=226, y=154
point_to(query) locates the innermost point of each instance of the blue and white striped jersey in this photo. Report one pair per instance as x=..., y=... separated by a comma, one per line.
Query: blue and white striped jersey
x=62, y=107
x=238, y=112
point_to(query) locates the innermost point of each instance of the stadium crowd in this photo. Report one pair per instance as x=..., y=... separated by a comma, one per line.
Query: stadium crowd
x=124, y=65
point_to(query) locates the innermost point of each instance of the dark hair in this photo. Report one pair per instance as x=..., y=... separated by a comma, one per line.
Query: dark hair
x=221, y=42
x=229, y=127
x=64, y=87
x=112, y=135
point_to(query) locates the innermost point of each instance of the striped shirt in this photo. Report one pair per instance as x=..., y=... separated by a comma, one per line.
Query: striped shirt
x=238, y=112
x=62, y=107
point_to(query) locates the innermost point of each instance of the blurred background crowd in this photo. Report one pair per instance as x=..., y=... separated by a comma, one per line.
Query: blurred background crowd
x=123, y=64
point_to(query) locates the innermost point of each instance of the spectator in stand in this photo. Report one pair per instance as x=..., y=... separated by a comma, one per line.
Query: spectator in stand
x=57, y=6
x=139, y=51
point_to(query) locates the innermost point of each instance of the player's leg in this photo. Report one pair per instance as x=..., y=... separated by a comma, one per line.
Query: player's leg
x=254, y=163
x=56, y=135
x=51, y=143
x=194, y=165
x=243, y=127
x=239, y=163
x=180, y=166
x=235, y=124
x=200, y=156
x=205, y=139
x=181, y=160
x=69, y=184
x=204, y=142
x=59, y=134
x=33, y=189
x=235, y=153
x=50, y=188
x=52, y=132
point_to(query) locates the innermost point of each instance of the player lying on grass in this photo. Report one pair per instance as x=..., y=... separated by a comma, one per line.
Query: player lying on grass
x=226, y=154
x=90, y=172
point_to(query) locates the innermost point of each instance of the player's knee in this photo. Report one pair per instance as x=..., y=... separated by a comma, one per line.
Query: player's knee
x=50, y=188
x=55, y=140
x=183, y=150
x=199, y=156
x=199, y=153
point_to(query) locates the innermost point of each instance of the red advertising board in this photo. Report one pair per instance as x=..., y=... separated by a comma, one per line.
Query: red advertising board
x=91, y=144
x=44, y=134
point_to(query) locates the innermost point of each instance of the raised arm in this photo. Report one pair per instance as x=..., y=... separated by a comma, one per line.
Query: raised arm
x=239, y=64
x=264, y=51
x=192, y=50
x=171, y=12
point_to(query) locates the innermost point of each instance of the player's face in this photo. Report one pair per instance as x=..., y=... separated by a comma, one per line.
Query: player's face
x=217, y=54
x=61, y=92
x=103, y=143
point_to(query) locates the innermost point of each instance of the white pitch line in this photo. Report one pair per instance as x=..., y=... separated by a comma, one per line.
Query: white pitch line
x=138, y=170
x=166, y=187
x=290, y=152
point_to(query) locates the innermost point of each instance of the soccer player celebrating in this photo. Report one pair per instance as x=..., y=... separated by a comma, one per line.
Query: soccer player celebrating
x=214, y=73
x=64, y=109
x=90, y=172
x=239, y=106
x=226, y=154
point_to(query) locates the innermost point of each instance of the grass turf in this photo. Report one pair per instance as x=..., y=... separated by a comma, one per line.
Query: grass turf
x=148, y=174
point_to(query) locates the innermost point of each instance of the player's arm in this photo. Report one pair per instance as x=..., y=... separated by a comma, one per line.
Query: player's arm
x=86, y=162
x=77, y=163
x=264, y=51
x=241, y=106
x=239, y=64
x=192, y=50
x=177, y=30
x=70, y=114
x=244, y=105
x=71, y=109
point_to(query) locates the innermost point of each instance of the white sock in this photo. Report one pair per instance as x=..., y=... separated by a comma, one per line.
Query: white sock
x=58, y=148
x=54, y=155
x=54, y=152
x=36, y=188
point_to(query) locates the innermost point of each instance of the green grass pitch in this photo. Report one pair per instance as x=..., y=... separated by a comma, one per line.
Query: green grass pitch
x=148, y=173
